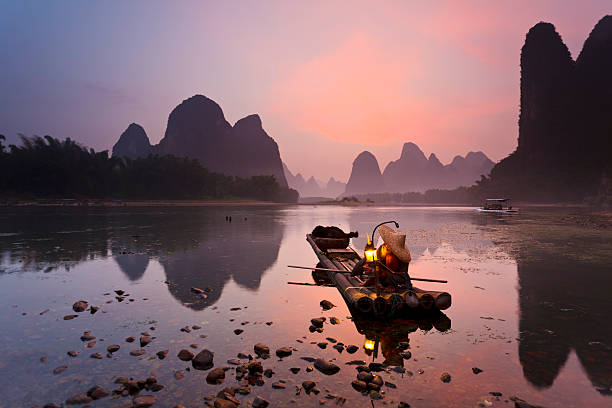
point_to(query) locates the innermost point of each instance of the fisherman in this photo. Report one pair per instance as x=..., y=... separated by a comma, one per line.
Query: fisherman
x=393, y=260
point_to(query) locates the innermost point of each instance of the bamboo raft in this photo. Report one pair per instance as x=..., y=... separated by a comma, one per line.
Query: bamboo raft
x=365, y=299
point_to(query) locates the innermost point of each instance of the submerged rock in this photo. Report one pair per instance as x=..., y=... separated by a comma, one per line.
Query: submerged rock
x=317, y=321
x=185, y=355
x=351, y=349
x=203, y=360
x=326, y=367
x=97, y=392
x=60, y=369
x=445, y=377
x=144, y=401
x=259, y=402
x=284, y=352
x=81, y=398
x=79, y=306
x=216, y=376
x=261, y=350
x=326, y=304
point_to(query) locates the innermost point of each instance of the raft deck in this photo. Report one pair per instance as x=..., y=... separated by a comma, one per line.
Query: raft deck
x=365, y=299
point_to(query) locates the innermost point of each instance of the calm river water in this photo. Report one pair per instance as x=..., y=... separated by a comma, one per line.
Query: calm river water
x=532, y=296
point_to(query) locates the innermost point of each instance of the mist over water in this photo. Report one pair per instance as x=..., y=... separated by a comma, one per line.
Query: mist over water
x=530, y=303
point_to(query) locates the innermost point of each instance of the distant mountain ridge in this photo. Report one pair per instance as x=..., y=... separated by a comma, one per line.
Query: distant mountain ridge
x=414, y=172
x=197, y=129
x=313, y=187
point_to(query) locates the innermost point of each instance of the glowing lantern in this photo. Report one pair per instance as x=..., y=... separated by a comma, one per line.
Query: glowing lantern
x=370, y=252
x=369, y=344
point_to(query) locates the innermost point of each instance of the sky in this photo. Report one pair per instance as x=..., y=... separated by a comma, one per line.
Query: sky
x=328, y=78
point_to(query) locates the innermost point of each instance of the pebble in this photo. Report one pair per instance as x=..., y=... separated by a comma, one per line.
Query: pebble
x=203, y=360
x=476, y=370
x=79, y=306
x=81, y=398
x=309, y=369
x=261, y=350
x=96, y=356
x=97, y=393
x=93, y=309
x=179, y=375
x=238, y=331
x=73, y=353
x=390, y=384
x=145, y=340
x=334, y=320
x=268, y=372
x=284, y=352
x=113, y=348
x=255, y=367
x=234, y=361
x=351, y=349
x=91, y=344
x=130, y=339
x=193, y=346
x=162, y=354
x=317, y=321
x=144, y=401
x=294, y=370
x=279, y=385
x=60, y=369
x=259, y=402
x=223, y=403
x=185, y=355
x=216, y=376
x=326, y=367
x=331, y=339
x=322, y=345
x=138, y=352
x=196, y=327
x=326, y=304
x=339, y=348
x=403, y=405
x=359, y=385
x=70, y=317
x=445, y=377
x=87, y=336
x=308, y=385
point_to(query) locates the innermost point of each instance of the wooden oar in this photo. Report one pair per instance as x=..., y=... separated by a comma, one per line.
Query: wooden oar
x=337, y=270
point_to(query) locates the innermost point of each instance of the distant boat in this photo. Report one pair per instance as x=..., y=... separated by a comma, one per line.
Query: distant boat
x=498, y=206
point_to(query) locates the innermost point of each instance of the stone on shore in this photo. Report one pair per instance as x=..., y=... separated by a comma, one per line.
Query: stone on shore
x=326, y=304
x=261, y=350
x=97, y=392
x=445, y=377
x=144, y=401
x=259, y=402
x=216, y=376
x=81, y=398
x=185, y=355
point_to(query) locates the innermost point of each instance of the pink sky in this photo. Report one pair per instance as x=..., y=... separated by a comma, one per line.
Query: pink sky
x=329, y=79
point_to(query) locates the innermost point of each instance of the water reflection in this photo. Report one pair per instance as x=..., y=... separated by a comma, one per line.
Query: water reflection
x=563, y=307
x=392, y=336
x=195, y=246
x=564, y=284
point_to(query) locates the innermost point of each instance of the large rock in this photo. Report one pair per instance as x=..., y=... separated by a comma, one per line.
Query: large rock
x=133, y=143
x=203, y=360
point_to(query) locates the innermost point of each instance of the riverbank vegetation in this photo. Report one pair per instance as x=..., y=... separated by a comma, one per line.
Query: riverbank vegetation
x=46, y=167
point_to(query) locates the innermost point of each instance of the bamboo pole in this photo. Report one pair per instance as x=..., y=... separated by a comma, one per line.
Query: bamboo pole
x=339, y=271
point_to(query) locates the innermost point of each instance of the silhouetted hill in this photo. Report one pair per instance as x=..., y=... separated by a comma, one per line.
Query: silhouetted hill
x=565, y=124
x=132, y=143
x=365, y=176
x=413, y=172
x=197, y=129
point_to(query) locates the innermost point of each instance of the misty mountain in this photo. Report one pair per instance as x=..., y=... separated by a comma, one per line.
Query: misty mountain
x=313, y=187
x=197, y=129
x=413, y=172
x=565, y=123
x=365, y=176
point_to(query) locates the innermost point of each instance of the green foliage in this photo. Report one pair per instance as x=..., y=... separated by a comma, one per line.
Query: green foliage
x=50, y=168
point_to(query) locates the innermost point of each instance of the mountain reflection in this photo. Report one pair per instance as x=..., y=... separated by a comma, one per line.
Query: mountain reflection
x=564, y=293
x=563, y=307
x=196, y=247
x=241, y=250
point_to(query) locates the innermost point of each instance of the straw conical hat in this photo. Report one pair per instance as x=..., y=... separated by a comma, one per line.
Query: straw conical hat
x=396, y=242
